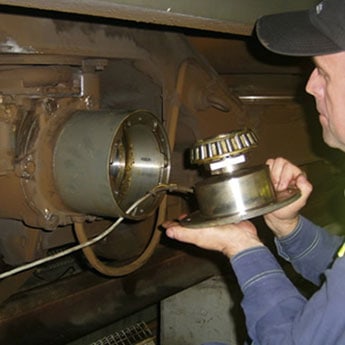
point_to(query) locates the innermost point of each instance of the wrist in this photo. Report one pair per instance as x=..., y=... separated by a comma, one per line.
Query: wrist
x=282, y=227
x=237, y=248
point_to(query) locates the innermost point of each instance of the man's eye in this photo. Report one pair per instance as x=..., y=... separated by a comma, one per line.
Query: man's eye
x=321, y=72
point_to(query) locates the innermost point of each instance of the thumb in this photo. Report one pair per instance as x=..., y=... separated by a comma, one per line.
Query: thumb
x=304, y=185
x=170, y=232
x=204, y=237
x=179, y=233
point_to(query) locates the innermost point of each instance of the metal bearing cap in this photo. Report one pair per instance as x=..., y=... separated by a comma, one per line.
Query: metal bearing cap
x=233, y=194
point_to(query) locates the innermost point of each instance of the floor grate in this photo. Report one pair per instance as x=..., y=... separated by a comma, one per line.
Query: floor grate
x=138, y=334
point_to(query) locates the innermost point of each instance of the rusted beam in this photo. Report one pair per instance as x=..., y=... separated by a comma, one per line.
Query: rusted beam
x=61, y=312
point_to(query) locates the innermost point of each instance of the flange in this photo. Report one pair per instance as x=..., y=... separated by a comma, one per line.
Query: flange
x=283, y=198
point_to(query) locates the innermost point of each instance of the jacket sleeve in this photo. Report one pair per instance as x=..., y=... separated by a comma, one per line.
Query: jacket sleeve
x=276, y=313
x=310, y=249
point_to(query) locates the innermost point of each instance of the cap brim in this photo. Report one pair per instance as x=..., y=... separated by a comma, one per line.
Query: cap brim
x=292, y=33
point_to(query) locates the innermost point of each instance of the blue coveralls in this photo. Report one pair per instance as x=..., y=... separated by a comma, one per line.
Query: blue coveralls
x=276, y=312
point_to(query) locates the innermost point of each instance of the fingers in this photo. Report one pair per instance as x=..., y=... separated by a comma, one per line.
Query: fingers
x=228, y=239
x=193, y=236
x=283, y=173
x=290, y=212
x=304, y=186
x=182, y=234
x=197, y=237
x=173, y=229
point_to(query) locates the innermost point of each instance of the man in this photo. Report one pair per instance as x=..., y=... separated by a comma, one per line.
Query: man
x=276, y=313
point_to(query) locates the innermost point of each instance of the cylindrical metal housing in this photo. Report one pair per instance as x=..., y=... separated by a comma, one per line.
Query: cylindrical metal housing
x=238, y=193
x=105, y=160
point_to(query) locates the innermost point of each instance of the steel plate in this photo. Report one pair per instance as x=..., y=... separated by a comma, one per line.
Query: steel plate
x=283, y=198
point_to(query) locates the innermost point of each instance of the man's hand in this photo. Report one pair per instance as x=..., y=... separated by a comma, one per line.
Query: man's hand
x=229, y=239
x=284, y=174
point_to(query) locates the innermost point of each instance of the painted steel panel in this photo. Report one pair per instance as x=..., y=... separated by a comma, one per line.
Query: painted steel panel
x=228, y=16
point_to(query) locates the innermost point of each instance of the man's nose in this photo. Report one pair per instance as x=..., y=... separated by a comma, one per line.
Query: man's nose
x=312, y=87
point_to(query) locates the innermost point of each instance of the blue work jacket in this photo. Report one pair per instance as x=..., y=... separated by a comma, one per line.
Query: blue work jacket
x=276, y=312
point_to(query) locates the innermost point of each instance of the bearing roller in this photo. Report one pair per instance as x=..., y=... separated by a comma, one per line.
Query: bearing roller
x=223, y=146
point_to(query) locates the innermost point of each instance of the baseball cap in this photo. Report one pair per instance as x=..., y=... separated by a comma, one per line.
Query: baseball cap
x=317, y=31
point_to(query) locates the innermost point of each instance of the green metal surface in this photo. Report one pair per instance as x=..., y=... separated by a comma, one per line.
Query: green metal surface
x=244, y=11
x=230, y=16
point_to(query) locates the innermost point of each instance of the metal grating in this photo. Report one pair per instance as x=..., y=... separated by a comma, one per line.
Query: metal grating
x=138, y=334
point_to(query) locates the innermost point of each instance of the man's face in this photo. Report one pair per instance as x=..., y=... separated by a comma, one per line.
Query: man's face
x=327, y=85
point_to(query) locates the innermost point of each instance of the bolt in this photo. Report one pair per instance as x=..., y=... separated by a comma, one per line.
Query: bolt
x=30, y=167
x=88, y=102
x=50, y=106
x=155, y=125
x=51, y=220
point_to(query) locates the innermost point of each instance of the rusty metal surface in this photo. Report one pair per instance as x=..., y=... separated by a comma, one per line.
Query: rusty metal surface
x=244, y=56
x=66, y=310
x=233, y=16
x=84, y=65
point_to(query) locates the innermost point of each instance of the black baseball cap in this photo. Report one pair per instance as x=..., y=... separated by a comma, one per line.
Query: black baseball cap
x=317, y=31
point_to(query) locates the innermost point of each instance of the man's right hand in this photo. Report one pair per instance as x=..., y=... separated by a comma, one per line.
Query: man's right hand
x=229, y=239
x=284, y=174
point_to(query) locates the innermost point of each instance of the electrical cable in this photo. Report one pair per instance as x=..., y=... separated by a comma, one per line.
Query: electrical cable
x=157, y=189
